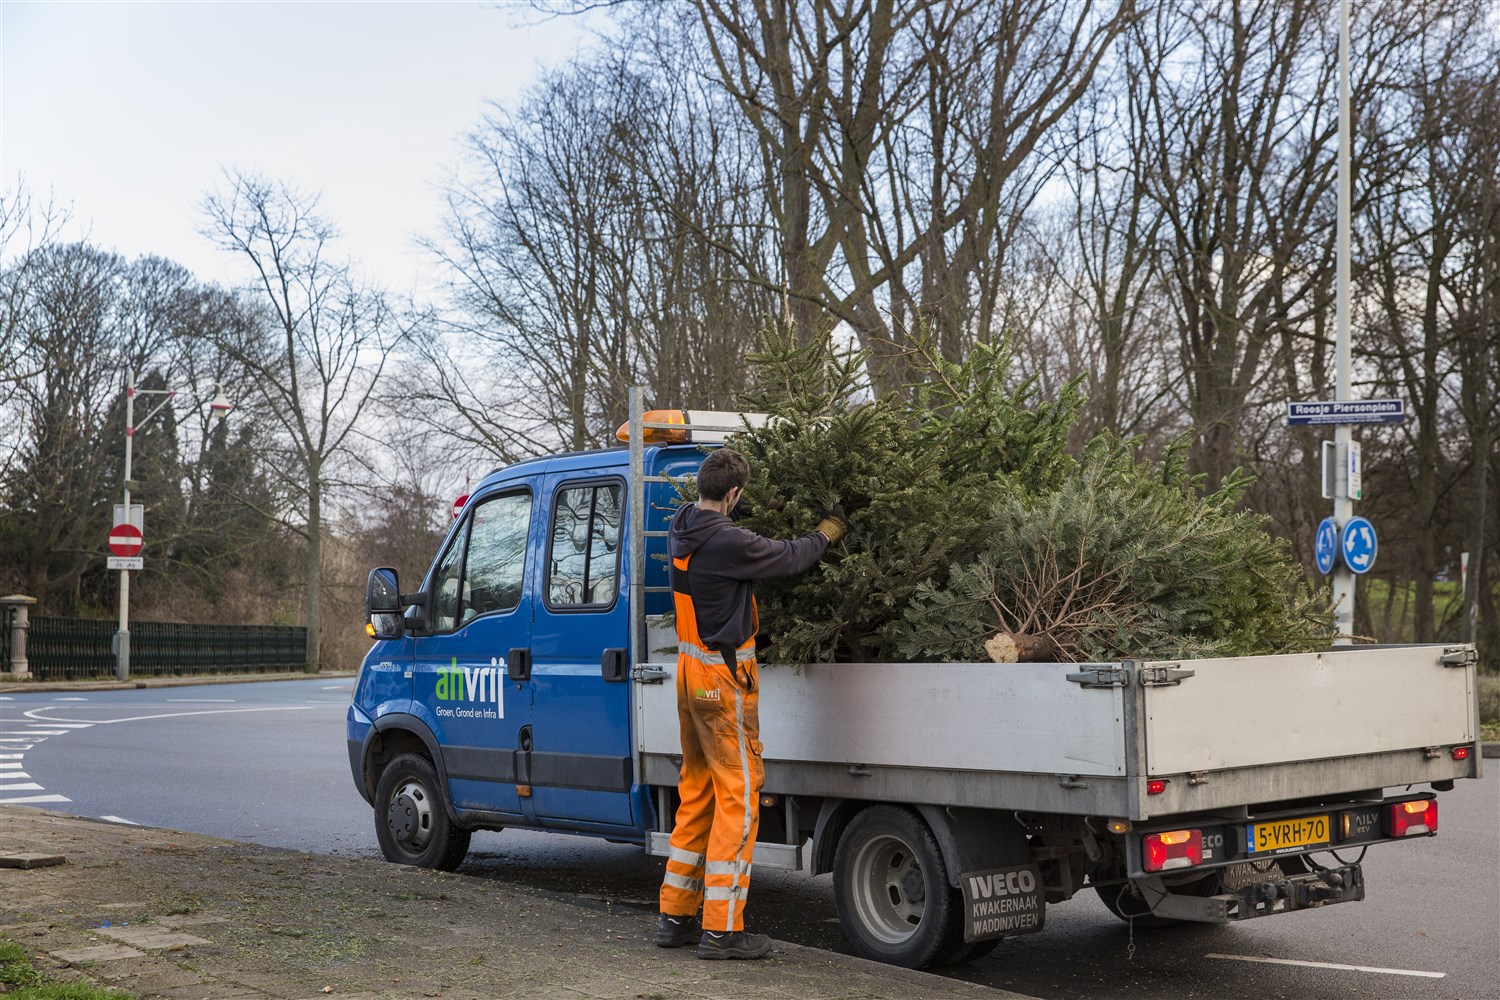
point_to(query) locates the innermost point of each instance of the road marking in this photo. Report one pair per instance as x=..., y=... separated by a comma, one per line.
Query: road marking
x=11, y=756
x=203, y=701
x=13, y=776
x=70, y=699
x=33, y=732
x=24, y=799
x=337, y=687
x=117, y=819
x=9, y=764
x=21, y=786
x=68, y=725
x=175, y=715
x=1330, y=965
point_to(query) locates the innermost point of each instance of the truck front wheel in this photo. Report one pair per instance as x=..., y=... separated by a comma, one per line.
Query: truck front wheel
x=411, y=822
x=891, y=889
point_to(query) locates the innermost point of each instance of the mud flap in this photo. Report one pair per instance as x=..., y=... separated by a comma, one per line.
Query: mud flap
x=1000, y=902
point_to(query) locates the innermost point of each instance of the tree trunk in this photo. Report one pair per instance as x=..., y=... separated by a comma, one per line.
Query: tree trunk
x=314, y=575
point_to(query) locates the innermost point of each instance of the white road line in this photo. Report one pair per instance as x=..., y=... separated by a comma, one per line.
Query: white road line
x=70, y=699
x=203, y=701
x=6, y=697
x=336, y=687
x=33, y=732
x=13, y=776
x=11, y=756
x=22, y=786
x=1330, y=965
x=25, y=799
x=174, y=715
x=117, y=819
x=68, y=725
x=9, y=764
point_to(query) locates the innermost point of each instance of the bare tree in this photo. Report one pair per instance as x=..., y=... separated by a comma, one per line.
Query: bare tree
x=316, y=361
x=901, y=142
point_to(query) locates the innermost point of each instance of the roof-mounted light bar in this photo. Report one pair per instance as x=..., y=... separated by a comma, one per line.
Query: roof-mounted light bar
x=696, y=426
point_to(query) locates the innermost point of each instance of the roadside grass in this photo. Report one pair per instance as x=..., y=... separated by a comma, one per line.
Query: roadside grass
x=1391, y=605
x=19, y=980
x=1489, y=707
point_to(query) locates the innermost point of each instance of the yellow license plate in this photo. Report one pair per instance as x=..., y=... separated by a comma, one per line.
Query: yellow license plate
x=1281, y=835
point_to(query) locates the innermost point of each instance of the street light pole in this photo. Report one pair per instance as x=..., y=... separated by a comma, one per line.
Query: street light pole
x=221, y=407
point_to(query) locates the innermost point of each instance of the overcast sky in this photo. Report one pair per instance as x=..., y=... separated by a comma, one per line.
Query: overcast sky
x=128, y=113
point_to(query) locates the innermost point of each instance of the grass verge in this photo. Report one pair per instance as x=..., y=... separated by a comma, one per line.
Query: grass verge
x=19, y=980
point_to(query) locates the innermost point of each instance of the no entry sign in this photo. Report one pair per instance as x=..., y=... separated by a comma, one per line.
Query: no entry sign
x=125, y=540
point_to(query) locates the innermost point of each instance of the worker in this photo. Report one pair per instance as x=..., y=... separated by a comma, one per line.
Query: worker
x=713, y=565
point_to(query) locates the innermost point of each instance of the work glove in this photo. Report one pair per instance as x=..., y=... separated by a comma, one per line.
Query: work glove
x=834, y=525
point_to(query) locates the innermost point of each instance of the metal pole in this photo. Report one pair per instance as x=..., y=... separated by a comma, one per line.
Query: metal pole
x=1343, y=504
x=638, y=651
x=122, y=637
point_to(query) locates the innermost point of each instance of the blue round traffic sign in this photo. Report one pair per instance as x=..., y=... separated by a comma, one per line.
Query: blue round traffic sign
x=1326, y=547
x=1358, y=545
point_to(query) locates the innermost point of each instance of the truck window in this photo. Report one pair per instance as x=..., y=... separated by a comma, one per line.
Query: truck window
x=494, y=540
x=583, y=564
x=496, y=565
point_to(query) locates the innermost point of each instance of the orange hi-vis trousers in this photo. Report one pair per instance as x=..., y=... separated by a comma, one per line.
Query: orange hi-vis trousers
x=722, y=774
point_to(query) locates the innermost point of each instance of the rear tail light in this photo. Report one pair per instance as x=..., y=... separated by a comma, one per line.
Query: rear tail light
x=1176, y=849
x=1411, y=819
x=1155, y=786
x=1460, y=753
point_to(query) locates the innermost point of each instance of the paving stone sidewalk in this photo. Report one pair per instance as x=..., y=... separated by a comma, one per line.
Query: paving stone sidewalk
x=168, y=914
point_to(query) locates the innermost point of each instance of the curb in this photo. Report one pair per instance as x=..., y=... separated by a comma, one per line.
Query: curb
x=1490, y=750
x=8, y=686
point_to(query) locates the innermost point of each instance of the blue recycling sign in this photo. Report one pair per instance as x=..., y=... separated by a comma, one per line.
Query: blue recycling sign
x=1326, y=546
x=1358, y=544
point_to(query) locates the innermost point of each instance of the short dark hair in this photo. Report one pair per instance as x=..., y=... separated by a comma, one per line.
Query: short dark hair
x=721, y=472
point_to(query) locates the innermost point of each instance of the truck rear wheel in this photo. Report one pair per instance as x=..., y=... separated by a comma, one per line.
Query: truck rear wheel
x=411, y=822
x=891, y=889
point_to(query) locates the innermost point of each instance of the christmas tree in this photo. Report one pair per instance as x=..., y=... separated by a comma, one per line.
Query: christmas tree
x=976, y=535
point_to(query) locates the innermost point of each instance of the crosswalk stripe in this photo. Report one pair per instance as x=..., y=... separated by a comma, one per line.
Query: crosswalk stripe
x=26, y=799
x=25, y=786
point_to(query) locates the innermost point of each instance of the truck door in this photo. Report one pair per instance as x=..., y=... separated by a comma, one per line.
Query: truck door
x=580, y=763
x=480, y=613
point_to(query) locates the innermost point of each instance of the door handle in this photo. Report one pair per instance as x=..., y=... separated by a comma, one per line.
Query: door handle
x=518, y=665
x=612, y=666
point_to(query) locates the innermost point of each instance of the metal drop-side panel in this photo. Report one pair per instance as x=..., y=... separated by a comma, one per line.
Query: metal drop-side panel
x=1014, y=717
x=1257, y=710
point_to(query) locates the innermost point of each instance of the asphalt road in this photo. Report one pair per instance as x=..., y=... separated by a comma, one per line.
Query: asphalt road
x=266, y=763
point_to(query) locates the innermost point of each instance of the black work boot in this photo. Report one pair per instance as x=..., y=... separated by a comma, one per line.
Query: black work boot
x=733, y=944
x=674, y=931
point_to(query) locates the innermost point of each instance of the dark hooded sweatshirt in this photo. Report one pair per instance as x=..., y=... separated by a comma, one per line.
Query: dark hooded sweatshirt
x=726, y=559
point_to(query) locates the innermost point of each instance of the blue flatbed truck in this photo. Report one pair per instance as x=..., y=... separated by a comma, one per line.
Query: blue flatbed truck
x=528, y=683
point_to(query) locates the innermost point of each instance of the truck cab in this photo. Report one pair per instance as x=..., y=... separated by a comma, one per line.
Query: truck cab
x=498, y=692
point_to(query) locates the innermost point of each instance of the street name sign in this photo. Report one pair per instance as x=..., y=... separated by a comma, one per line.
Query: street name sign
x=1345, y=411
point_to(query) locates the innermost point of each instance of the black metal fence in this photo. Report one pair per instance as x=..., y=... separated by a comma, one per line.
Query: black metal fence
x=79, y=649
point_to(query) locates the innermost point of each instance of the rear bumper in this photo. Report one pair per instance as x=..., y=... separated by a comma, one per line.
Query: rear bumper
x=1345, y=884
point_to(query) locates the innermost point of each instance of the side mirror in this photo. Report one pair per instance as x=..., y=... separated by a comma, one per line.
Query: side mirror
x=383, y=604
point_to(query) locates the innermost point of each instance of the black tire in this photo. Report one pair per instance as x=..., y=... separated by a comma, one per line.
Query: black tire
x=1129, y=905
x=970, y=951
x=411, y=820
x=891, y=890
